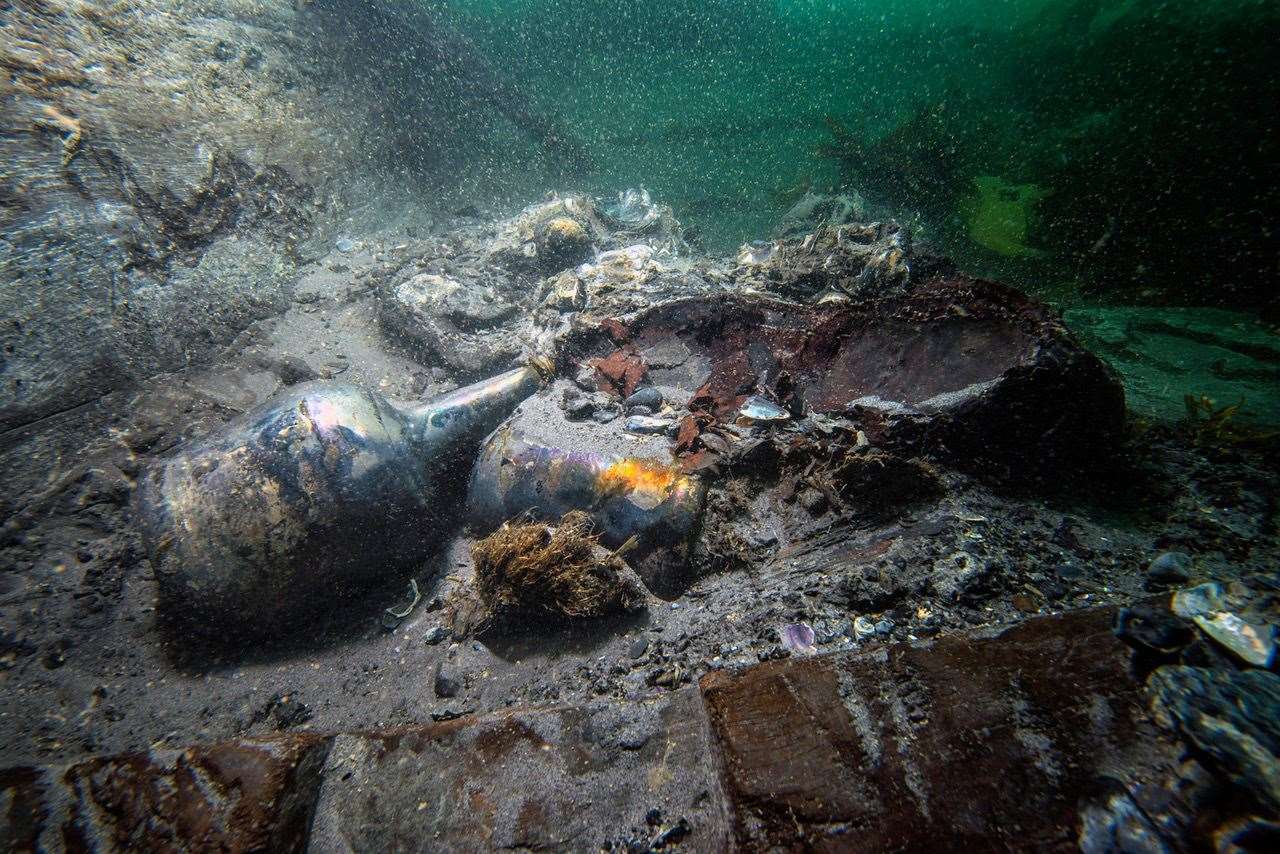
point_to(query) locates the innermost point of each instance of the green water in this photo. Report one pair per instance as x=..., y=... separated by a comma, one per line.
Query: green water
x=1087, y=150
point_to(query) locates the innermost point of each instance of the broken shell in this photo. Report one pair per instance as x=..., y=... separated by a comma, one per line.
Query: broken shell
x=798, y=637
x=757, y=410
x=1254, y=644
x=647, y=424
x=756, y=252
x=634, y=211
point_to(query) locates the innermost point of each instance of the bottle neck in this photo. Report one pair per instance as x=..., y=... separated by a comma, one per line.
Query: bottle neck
x=473, y=409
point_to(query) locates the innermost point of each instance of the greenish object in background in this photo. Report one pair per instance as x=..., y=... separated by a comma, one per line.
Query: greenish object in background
x=1147, y=124
x=1165, y=354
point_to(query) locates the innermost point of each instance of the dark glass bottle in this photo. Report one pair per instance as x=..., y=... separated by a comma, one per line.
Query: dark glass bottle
x=311, y=497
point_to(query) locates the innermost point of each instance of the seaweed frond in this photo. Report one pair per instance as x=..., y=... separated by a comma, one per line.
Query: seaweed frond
x=560, y=571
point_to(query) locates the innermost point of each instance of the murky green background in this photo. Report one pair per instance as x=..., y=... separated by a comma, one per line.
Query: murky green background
x=1094, y=152
x=1118, y=144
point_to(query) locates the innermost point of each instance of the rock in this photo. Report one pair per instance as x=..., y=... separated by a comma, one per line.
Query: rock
x=447, y=684
x=649, y=397
x=567, y=292
x=562, y=243
x=526, y=779
x=577, y=406
x=461, y=325
x=1119, y=825
x=638, y=647
x=435, y=635
x=1233, y=717
x=1009, y=731
x=244, y=795
x=1152, y=629
x=1169, y=569
x=547, y=237
x=978, y=379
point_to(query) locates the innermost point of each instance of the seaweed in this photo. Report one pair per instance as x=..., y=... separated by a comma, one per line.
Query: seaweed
x=1206, y=423
x=531, y=569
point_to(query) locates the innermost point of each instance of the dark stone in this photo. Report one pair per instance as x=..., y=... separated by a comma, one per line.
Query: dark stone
x=1169, y=569
x=1231, y=716
x=447, y=684
x=1153, y=629
x=578, y=407
x=966, y=743
x=638, y=647
x=647, y=396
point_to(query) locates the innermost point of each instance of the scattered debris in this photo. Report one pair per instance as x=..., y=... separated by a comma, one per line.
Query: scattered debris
x=394, y=615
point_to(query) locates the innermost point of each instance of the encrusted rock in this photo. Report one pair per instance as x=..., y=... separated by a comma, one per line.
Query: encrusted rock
x=461, y=325
x=1232, y=716
x=959, y=369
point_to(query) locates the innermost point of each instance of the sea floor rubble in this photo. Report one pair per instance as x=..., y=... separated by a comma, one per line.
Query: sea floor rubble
x=848, y=498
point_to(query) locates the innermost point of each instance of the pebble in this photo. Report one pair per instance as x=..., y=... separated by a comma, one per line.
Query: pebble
x=884, y=627
x=579, y=408
x=863, y=628
x=1169, y=568
x=603, y=416
x=344, y=244
x=447, y=684
x=435, y=635
x=638, y=647
x=639, y=410
x=647, y=396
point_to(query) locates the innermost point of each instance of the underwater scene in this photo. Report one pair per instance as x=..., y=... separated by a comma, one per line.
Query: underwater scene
x=708, y=425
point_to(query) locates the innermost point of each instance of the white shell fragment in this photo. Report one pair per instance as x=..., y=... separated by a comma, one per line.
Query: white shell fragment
x=1254, y=644
x=648, y=424
x=758, y=410
x=1207, y=605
